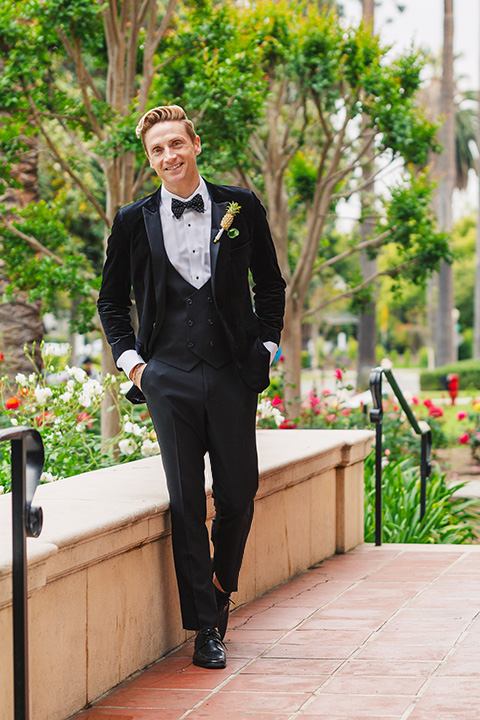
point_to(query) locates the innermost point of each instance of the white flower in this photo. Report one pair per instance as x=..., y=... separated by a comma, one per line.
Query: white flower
x=66, y=396
x=70, y=385
x=267, y=410
x=32, y=377
x=78, y=374
x=128, y=427
x=47, y=477
x=42, y=394
x=386, y=364
x=127, y=446
x=21, y=379
x=13, y=421
x=2, y=489
x=138, y=431
x=93, y=387
x=150, y=447
x=85, y=399
x=125, y=387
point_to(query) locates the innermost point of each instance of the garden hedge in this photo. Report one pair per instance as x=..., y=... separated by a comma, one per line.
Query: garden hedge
x=468, y=372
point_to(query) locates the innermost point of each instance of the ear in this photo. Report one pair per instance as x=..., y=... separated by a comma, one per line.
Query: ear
x=198, y=145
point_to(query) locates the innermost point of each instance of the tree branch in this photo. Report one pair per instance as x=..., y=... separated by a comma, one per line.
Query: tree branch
x=371, y=243
x=392, y=272
x=66, y=166
x=33, y=242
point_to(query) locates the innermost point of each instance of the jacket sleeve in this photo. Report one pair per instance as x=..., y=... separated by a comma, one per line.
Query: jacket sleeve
x=268, y=283
x=114, y=300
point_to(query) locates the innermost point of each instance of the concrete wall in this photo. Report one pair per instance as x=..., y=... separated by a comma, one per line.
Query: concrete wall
x=103, y=600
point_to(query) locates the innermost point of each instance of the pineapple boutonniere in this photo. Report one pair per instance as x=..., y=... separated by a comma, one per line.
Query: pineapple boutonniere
x=233, y=208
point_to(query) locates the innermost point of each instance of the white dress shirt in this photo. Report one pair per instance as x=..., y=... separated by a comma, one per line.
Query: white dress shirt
x=187, y=244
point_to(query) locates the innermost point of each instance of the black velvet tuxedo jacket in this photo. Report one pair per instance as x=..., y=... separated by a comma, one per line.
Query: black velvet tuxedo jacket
x=136, y=260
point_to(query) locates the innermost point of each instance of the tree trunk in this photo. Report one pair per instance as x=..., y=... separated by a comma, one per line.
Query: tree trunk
x=476, y=306
x=367, y=325
x=292, y=351
x=446, y=352
x=20, y=320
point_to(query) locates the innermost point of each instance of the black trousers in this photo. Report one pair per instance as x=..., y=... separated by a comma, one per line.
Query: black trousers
x=195, y=412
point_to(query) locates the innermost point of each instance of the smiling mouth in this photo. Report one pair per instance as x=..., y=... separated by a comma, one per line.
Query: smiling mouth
x=174, y=167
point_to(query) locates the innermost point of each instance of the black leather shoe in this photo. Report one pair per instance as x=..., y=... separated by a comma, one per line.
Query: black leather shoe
x=223, y=608
x=209, y=650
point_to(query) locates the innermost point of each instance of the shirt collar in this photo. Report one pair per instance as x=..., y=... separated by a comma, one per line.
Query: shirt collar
x=166, y=196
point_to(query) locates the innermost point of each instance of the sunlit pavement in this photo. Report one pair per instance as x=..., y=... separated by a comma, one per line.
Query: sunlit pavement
x=390, y=632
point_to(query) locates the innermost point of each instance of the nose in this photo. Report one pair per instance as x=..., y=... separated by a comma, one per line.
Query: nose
x=168, y=154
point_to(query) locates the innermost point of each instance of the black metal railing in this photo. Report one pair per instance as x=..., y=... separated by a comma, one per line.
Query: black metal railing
x=26, y=465
x=422, y=428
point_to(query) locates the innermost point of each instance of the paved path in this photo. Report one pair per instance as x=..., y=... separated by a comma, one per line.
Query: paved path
x=390, y=632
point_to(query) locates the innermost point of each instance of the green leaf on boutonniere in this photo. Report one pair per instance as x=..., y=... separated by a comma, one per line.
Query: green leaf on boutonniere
x=233, y=232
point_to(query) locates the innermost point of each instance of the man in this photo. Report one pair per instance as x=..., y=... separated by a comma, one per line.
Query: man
x=201, y=354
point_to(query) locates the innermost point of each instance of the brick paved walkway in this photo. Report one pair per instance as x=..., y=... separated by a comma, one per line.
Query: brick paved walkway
x=391, y=632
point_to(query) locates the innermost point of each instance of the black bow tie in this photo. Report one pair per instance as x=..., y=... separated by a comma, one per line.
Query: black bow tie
x=196, y=203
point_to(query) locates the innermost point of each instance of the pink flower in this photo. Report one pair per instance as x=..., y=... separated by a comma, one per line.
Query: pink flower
x=326, y=393
x=277, y=401
x=428, y=403
x=338, y=375
x=461, y=415
x=464, y=438
x=415, y=400
x=86, y=418
x=314, y=400
x=331, y=418
x=387, y=452
x=346, y=412
x=435, y=411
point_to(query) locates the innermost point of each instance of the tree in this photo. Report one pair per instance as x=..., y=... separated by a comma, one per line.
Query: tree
x=77, y=75
x=445, y=351
x=319, y=80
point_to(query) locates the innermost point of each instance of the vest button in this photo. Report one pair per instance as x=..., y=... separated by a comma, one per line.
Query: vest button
x=189, y=301
x=190, y=343
x=212, y=343
x=190, y=323
x=210, y=321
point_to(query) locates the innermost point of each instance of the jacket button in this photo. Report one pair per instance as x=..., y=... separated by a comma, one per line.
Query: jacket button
x=189, y=301
x=190, y=344
x=190, y=323
x=210, y=321
x=212, y=343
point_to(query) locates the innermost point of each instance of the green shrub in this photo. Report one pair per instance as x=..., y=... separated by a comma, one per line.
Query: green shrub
x=448, y=519
x=468, y=372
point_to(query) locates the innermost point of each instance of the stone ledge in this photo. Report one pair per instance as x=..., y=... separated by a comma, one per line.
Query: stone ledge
x=101, y=574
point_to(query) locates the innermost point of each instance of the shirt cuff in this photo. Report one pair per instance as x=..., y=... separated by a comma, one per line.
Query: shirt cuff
x=128, y=360
x=272, y=348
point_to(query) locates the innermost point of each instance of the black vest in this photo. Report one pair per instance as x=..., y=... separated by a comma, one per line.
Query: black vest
x=191, y=330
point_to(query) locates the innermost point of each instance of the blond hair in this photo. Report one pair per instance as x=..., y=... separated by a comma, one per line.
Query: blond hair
x=164, y=113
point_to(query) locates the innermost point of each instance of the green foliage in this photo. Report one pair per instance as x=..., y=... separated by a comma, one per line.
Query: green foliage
x=448, y=519
x=468, y=372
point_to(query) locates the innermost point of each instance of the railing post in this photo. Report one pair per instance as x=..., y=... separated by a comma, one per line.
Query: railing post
x=376, y=417
x=26, y=467
x=425, y=469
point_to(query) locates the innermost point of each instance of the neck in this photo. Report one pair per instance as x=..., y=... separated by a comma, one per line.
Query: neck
x=185, y=190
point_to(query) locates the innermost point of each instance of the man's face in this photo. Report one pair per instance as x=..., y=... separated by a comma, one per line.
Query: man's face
x=173, y=155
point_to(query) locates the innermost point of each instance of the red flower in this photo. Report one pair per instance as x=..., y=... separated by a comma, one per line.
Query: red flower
x=435, y=411
x=86, y=418
x=415, y=400
x=45, y=418
x=461, y=415
x=2, y=357
x=428, y=403
x=338, y=375
x=464, y=438
x=12, y=403
x=277, y=401
x=287, y=425
x=281, y=358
